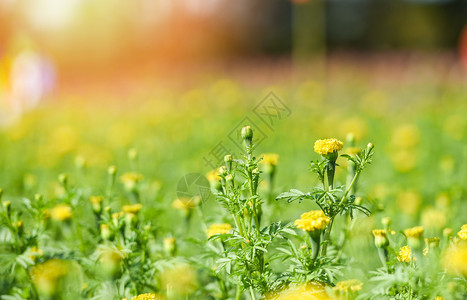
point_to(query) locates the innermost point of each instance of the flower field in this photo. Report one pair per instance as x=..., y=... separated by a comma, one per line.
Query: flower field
x=316, y=191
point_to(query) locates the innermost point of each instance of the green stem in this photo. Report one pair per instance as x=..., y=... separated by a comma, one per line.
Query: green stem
x=252, y=293
x=349, y=188
x=327, y=237
x=238, y=293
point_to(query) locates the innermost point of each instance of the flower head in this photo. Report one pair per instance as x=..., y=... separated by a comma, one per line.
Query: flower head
x=218, y=229
x=96, y=202
x=405, y=254
x=147, y=296
x=61, y=212
x=414, y=232
x=312, y=220
x=308, y=291
x=132, y=209
x=130, y=179
x=186, y=203
x=462, y=234
x=455, y=259
x=328, y=146
x=270, y=159
x=352, y=285
x=46, y=276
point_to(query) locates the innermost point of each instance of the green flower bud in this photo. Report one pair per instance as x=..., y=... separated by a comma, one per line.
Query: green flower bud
x=38, y=197
x=112, y=170
x=63, y=179
x=247, y=135
x=228, y=162
x=170, y=246
x=370, y=146
x=132, y=154
x=223, y=171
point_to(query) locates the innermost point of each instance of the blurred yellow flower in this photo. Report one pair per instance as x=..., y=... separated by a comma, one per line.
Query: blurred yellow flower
x=218, y=229
x=271, y=159
x=328, y=146
x=405, y=254
x=180, y=279
x=414, y=232
x=352, y=285
x=132, y=209
x=96, y=202
x=186, y=204
x=356, y=126
x=404, y=160
x=406, y=136
x=309, y=291
x=61, y=212
x=312, y=220
x=408, y=202
x=63, y=140
x=454, y=259
x=35, y=253
x=130, y=179
x=433, y=218
x=46, y=276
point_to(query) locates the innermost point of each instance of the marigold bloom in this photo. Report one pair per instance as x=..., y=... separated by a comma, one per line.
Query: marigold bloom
x=270, y=159
x=405, y=254
x=147, y=296
x=218, y=229
x=46, y=276
x=328, y=146
x=462, y=234
x=455, y=259
x=186, y=203
x=61, y=212
x=309, y=291
x=312, y=220
x=181, y=279
x=132, y=209
x=414, y=232
x=130, y=179
x=96, y=202
x=351, y=285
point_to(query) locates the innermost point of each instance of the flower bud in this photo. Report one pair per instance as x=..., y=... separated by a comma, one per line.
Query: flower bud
x=38, y=197
x=105, y=231
x=386, y=221
x=170, y=246
x=7, y=206
x=381, y=240
x=447, y=232
x=133, y=154
x=63, y=179
x=247, y=135
x=223, y=171
x=228, y=162
x=358, y=200
x=96, y=202
x=370, y=146
x=112, y=170
x=80, y=162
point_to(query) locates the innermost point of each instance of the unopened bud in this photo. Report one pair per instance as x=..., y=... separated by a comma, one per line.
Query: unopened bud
x=386, y=221
x=80, y=162
x=228, y=162
x=105, y=231
x=370, y=146
x=170, y=246
x=223, y=171
x=63, y=179
x=132, y=154
x=247, y=135
x=112, y=170
x=381, y=239
x=38, y=197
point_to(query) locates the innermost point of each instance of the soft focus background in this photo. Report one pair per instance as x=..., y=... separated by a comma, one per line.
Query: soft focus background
x=83, y=82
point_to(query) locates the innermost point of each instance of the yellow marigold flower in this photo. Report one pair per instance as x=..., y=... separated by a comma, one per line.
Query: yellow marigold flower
x=463, y=232
x=61, y=212
x=381, y=239
x=213, y=175
x=353, y=151
x=271, y=159
x=455, y=259
x=312, y=220
x=132, y=209
x=130, y=179
x=328, y=146
x=433, y=218
x=181, y=279
x=415, y=232
x=309, y=291
x=147, y=296
x=96, y=202
x=409, y=202
x=405, y=254
x=351, y=285
x=406, y=136
x=218, y=229
x=46, y=276
x=439, y=298
x=186, y=203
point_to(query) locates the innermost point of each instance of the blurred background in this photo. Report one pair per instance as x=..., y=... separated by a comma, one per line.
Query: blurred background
x=85, y=81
